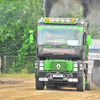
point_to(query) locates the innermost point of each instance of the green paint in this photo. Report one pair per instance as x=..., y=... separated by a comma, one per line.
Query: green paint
x=47, y=65
x=86, y=46
x=86, y=50
x=47, y=46
x=31, y=38
x=88, y=39
x=56, y=27
x=63, y=46
x=60, y=22
x=65, y=65
x=69, y=65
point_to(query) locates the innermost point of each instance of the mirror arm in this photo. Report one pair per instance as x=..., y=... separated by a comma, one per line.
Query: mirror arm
x=84, y=39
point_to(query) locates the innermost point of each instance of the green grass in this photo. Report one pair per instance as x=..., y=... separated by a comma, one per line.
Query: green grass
x=17, y=75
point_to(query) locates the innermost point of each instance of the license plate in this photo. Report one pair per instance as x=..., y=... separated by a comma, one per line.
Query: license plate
x=55, y=75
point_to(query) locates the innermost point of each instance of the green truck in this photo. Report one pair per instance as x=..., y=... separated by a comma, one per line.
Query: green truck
x=62, y=49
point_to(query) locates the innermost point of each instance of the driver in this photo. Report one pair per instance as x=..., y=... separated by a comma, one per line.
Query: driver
x=46, y=37
x=77, y=36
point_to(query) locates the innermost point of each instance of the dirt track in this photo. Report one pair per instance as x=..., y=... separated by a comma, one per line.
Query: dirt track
x=24, y=89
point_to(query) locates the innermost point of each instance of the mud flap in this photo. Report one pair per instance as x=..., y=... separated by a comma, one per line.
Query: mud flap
x=88, y=85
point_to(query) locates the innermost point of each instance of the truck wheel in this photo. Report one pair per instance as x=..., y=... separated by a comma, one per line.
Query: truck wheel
x=81, y=83
x=39, y=85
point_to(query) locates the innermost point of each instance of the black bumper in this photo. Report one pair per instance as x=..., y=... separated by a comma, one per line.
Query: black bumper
x=68, y=76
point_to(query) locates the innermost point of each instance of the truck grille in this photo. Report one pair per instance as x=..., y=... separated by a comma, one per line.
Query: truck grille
x=58, y=65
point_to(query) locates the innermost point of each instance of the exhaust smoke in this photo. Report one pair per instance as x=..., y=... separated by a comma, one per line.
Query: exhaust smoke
x=57, y=8
x=89, y=6
x=85, y=4
x=62, y=5
x=48, y=4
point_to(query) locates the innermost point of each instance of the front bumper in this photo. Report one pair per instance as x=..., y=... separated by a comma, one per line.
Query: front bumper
x=58, y=80
x=48, y=76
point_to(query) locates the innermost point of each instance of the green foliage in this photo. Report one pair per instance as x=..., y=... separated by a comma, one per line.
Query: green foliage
x=31, y=15
x=14, y=65
x=24, y=71
x=95, y=33
x=16, y=19
x=30, y=67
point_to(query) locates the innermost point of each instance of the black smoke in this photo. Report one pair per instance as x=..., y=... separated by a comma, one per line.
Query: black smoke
x=48, y=4
x=85, y=4
x=88, y=6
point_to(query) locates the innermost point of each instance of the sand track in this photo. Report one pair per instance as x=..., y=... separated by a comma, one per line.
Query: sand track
x=24, y=89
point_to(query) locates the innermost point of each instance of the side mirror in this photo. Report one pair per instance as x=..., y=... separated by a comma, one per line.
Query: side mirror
x=88, y=39
x=31, y=36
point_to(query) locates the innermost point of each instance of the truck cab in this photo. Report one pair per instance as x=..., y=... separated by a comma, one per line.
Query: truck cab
x=62, y=48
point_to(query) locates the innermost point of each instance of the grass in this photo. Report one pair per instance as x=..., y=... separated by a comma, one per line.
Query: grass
x=17, y=75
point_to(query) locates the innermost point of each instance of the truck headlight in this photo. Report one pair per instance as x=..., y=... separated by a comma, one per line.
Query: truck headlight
x=75, y=69
x=81, y=66
x=36, y=65
x=75, y=65
x=41, y=68
x=41, y=63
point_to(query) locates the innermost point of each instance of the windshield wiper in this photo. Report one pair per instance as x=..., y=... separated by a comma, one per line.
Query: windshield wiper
x=58, y=45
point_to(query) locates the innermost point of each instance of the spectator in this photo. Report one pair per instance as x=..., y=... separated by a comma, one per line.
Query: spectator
x=97, y=45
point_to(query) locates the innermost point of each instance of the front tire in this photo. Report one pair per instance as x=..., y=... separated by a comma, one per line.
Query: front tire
x=81, y=83
x=39, y=85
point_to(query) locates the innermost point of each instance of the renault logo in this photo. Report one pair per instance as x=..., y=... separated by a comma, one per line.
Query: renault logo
x=58, y=66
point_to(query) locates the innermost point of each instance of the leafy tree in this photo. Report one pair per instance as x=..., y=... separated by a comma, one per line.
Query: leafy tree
x=31, y=18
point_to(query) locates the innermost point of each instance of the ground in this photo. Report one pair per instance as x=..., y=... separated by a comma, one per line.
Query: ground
x=24, y=89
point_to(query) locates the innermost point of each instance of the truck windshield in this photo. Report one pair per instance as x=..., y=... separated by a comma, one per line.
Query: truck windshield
x=60, y=37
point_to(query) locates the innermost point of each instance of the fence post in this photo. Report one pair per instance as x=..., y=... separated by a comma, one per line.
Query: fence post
x=4, y=70
x=23, y=63
x=0, y=65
